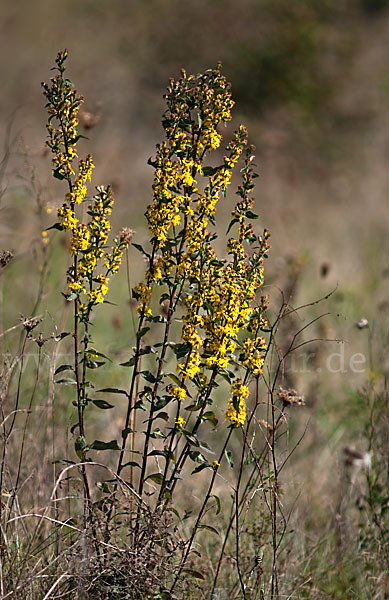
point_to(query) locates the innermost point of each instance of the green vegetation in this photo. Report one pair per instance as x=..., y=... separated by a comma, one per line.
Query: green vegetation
x=181, y=418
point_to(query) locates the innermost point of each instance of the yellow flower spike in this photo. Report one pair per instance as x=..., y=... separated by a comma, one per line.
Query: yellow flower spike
x=237, y=416
x=191, y=367
x=80, y=240
x=67, y=218
x=178, y=392
x=180, y=422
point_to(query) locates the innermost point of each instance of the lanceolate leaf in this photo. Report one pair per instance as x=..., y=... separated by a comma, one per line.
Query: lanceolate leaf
x=156, y=477
x=102, y=404
x=98, y=445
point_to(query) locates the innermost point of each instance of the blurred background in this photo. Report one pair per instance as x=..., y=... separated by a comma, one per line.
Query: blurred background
x=310, y=80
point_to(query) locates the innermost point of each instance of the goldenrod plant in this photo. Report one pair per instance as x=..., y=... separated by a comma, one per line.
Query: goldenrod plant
x=201, y=325
x=203, y=408
x=214, y=297
x=94, y=263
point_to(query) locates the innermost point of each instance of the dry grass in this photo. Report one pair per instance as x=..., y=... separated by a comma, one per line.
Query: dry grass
x=322, y=193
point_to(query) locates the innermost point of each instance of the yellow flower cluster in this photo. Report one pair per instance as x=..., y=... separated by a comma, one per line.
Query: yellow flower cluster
x=76, y=286
x=78, y=193
x=88, y=243
x=155, y=271
x=97, y=295
x=142, y=292
x=113, y=259
x=237, y=412
x=66, y=218
x=191, y=367
x=218, y=295
x=180, y=422
x=252, y=357
x=178, y=392
x=63, y=104
x=80, y=240
x=191, y=321
x=164, y=212
x=179, y=160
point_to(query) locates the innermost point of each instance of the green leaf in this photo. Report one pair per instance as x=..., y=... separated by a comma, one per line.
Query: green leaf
x=93, y=364
x=63, y=368
x=127, y=431
x=209, y=171
x=181, y=350
x=102, y=404
x=113, y=391
x=194, y=573
x=204, y=446
x=131, y=463
x=217, y=503
x=228, y=455
x=209, y=528
x=128, y=363
x=152, y=163
x=57, y=226
x=157, y=433
x=165, y=296
x=157, y=319
x=162, y=402
x=251, y=215
x=80, y=445
x=98, y=445
x=97, y=354
x=62, y=335
x=173, y=377
x=192, y=439
x=200, y=467
x=143, y=351
x=156, y=477
x=157, y=453
x=69, y=297
x=140, y=249
x=193, y=407
x=57, y=174
x=231, y=224
x=142, y=332
x=162, y=415
x=67, y=381
x=148, y=376
x=211, y=417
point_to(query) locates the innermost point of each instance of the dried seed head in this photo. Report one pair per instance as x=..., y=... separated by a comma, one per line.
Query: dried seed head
x=126, y=235
x=265, y=424
x=40, y=340
x=29, y=323
x=290, y=397
x=5, y=257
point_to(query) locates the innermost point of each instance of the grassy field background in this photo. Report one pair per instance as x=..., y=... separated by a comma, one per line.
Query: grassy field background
x=311, y=83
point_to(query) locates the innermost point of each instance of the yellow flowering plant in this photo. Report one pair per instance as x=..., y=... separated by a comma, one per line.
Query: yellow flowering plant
x=203, y=308
x=214, y=297
x=93, y=262
x=194, y=494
